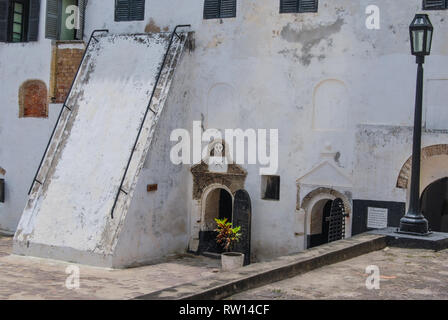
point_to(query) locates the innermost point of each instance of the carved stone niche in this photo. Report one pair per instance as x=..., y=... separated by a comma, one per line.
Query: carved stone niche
x=233, y=178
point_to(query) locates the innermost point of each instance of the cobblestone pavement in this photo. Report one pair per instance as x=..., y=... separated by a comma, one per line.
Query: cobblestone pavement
x=404, y=274
x=35, y=278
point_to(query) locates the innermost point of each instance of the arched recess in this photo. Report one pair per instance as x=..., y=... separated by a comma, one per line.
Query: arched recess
x=434, y=166
x=33, y=99
x=316, y=200
x=330, y=106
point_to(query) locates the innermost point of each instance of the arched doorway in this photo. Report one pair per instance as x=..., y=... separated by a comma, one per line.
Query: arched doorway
x=319, y=223
x=434, y=205
x=327, y=222
x=218, y=204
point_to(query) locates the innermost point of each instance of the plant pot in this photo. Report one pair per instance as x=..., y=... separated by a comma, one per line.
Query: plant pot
x=232, y=260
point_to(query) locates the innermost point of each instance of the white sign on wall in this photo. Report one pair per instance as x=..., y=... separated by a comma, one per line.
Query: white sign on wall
x=377, y=218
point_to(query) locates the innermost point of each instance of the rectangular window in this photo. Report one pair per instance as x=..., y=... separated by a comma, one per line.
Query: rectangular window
x=270, y=187
x=19, y=20
x=219, y=9
x=298, y=6
x=129, y=10
x=435, y=4
x=65, y=19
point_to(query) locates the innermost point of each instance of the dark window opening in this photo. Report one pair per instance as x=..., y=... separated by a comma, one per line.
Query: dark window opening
x=270, y=187
x=65, y=19
x=19, y=20
x=129, y=10
x=219, y=9
x=2, y=190
x=298, y=6
x=435, y=4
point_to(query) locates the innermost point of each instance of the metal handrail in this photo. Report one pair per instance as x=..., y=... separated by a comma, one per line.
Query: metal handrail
x=148, y=108
x=63, y=106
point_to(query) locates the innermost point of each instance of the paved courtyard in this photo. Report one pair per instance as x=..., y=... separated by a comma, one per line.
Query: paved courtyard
x=35, y=278
x=404, y=274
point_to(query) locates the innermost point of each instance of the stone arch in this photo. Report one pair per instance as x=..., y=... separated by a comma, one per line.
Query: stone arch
x=33, y=99
x=207, y=191
x=308, y=199
x=427, y=152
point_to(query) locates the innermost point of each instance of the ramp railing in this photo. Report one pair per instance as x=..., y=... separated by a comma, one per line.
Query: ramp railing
x=148, y=108
x=64, y=106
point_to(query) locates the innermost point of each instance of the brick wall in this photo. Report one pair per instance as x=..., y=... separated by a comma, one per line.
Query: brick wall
x=33, y=99
x=65, y=61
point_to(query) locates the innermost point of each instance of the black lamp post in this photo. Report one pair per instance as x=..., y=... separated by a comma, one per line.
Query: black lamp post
x=421, y=31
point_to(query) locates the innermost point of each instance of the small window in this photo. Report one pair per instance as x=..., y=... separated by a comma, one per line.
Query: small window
x=298, y=6
x=435, y=4
x=19, y=20
x=219, y=9
x=129, y=10
x=65, y=19
x=270, y=187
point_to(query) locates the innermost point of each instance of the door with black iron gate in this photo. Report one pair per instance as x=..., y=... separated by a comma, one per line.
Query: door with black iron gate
x=336, y=221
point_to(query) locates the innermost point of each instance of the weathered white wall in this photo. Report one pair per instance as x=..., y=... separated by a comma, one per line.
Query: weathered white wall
x=272, y=67
x=22, y=140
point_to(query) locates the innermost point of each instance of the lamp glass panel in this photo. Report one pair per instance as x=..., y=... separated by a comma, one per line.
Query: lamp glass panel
x=417, y=40
x=428, y=42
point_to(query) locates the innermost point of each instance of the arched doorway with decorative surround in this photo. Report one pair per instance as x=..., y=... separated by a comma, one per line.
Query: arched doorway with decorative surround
x=327, y=213
x=214, y=189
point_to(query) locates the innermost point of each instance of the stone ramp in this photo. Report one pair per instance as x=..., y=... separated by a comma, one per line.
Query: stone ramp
x=258, y=274
x=72, y=213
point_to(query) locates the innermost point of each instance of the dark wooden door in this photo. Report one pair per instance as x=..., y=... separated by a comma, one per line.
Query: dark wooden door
x=242, y=213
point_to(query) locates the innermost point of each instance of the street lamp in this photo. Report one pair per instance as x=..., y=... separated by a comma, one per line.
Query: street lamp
x=421, y=31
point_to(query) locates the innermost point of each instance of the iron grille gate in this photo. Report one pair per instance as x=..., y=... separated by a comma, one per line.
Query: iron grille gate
x=336, y=220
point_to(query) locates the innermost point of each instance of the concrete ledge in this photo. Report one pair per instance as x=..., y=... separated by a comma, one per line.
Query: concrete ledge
x=435, y=241
x=258, y=274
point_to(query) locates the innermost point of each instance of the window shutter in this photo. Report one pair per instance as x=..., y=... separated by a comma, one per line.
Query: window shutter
x=52, y=19
x=4, y=10
x=82, y=12
x=211, y=9
x=289, y=6
x=434, y=4
x=122, y=10
x=308, y=5
x=137, y=10
x=33, y=22
x=228, y=9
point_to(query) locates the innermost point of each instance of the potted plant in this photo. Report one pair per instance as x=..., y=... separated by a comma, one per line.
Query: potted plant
x=227, y=237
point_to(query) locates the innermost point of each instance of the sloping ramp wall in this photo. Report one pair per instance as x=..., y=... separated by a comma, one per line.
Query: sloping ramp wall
x=71, y=214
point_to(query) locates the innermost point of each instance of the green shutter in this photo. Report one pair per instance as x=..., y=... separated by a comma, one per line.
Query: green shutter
x=33, y=21
x=4, y=12
x=137, y=10
x=289, y=6
x=211, y=9
x=308, y=5
x=227, y=9
x=52, y=19
x=82, y=13
x=122, y=10
x=434, y=4
x=214, y=9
